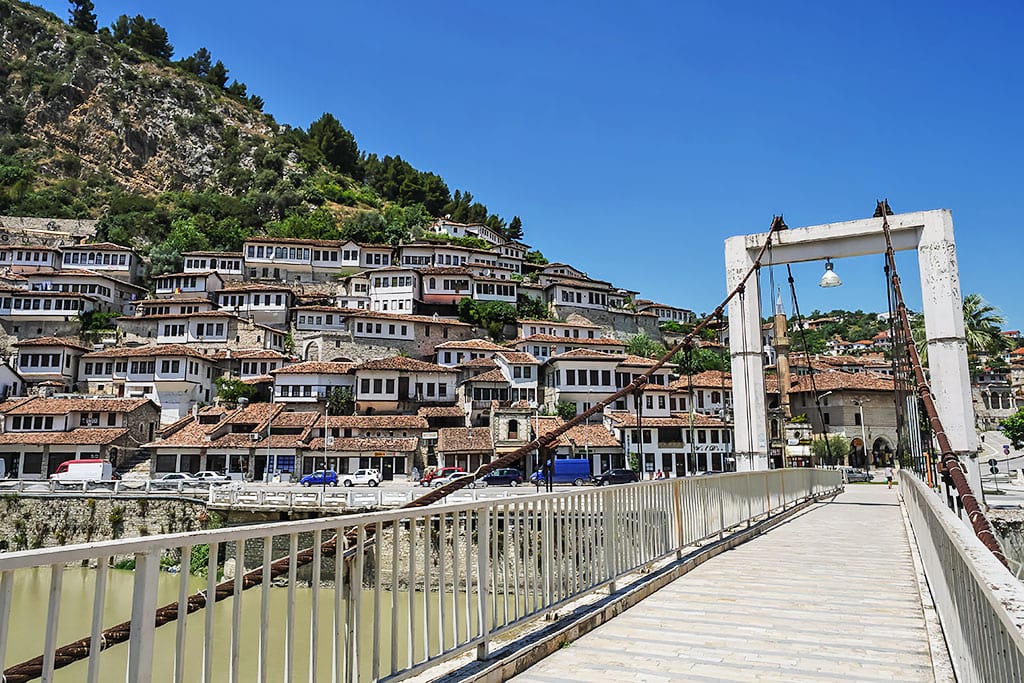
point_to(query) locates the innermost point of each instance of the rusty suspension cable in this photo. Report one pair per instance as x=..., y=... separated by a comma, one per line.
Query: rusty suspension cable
x=979, y=522
x=78, y=650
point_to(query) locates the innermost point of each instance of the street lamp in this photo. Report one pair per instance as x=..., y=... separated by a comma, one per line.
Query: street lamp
x=863, y=431
x=824, y=429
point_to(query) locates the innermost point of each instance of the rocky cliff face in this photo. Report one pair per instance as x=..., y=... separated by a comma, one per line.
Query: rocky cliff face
x=85, y=106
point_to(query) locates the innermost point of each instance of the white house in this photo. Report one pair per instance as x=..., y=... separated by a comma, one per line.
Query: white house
x=264, y=304
x=227, y=264
x=393, y=290
x=49, y=359
x=29, y=258
x=579, y=377
x=103, y=257
x=202, y=283
x=311, y=382
x=401, y=384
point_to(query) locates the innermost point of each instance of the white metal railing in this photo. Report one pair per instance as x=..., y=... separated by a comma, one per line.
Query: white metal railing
x=980, y=604
x=418, y=585
x=110, y=487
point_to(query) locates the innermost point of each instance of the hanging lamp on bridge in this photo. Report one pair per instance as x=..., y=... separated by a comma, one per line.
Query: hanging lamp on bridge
x=829, y=279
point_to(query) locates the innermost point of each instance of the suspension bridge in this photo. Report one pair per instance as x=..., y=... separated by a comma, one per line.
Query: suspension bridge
x=823, y=581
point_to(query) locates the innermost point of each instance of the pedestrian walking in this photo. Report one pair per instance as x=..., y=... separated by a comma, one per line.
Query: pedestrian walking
x=888, y=475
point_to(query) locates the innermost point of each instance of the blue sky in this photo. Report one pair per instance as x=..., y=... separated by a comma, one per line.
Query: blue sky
x=633, y=138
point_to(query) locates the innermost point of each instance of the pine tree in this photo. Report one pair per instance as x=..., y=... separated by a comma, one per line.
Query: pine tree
x=514, y=231
x=82, y=16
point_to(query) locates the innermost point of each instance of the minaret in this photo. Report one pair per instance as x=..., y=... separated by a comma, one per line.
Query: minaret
x=782, y=358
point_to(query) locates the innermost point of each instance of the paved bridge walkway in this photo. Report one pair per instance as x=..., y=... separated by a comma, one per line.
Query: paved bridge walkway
x=831, y=594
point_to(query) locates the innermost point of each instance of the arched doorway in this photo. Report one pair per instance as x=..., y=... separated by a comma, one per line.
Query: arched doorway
x=857, y=457
x=881, y=452
x=312, y=351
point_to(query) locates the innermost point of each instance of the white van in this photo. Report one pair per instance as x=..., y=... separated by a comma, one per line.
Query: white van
x=84, y=470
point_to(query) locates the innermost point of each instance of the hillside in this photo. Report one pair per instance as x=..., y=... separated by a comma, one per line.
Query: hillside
x=169, y=156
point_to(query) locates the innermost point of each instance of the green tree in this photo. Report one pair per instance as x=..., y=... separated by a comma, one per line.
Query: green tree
x=1013, y=428
x=532, y=308
x=640, y=344
x=699, y=360
x=535, y=257
x=341, y=401
x=143, y=34
x=565, y=410
x=230, y=389
x=198, y=63
x=184, y=236
x=82, y=15
x=514, y=231
x=833, y=452
x=336, y=144
x=217, y=75
x=982, y=330
x=815, y=341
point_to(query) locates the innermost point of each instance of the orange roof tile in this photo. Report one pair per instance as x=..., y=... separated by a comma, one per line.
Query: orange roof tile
x=464, y=439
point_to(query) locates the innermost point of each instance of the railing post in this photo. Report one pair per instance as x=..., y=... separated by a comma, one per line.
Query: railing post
x=721, y=510
x=782, y=486
x=750, y=500
x=677, y=502
x=140, y=644
x=483, y=580
x=607, y=521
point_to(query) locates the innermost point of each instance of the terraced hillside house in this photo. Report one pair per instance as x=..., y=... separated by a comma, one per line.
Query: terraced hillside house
x=679, y=444
x=26, y=314
x=402, y=385
x=111, y=294
x=173, y=376
x=207, y=331
x=389, y=443
x=264, y=304
x=24, y=258
x=543, y=346
x=197, y=284
x=49, y=362
x=579, y=377
x=37, y=434
x=393, y=289
x=465, y=447
x=227, y=264
x=457, y=352
x=259, y=441
x=108, y=258
x=310, y=384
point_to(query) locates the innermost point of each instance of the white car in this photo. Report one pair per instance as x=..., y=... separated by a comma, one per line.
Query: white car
x=366, y=476
x=211, y=477
x=473, y=484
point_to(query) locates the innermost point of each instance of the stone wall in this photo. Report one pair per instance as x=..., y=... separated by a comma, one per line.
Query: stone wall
x=619, y=324
x=47, y=522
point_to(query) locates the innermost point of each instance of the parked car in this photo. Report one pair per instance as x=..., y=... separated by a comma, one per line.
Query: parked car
x=609, y=477
x=710, y=473
x=474, y=484
x=211, y=477
x=320, y=478
x=430, y=475
x=851, y=475
x=364, y=476
x=177, y=476
x=505, y=476
x=91, y=469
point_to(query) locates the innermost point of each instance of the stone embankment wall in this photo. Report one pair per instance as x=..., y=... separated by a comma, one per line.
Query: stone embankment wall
x=27, y=523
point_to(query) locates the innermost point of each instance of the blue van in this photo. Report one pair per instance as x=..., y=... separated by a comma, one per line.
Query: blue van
x=567, y=471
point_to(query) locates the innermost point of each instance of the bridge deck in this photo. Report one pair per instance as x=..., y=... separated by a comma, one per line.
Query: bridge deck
x=830, y=594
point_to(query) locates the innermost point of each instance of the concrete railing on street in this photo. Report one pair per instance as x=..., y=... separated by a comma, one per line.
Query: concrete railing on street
x=979, y=602
x=417, y=586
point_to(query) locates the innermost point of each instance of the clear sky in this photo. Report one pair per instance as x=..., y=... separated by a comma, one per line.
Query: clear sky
x=633, y=138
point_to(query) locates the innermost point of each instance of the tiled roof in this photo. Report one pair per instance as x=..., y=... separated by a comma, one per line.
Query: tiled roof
x=367, y=444
x=709, y=379
x=155, y=350
x=588, y=354
x=444, y=270
x=218, y=254
x=63, y=406
x=493, y=376
x=316, y=368
x=242, y=440
x=464, y=439
x=380, y=315
x=403, y=363
x=835, y=380
x=179, y=300
x=52, y=341
x=253, y=413
x=628, y=419
x=76, y=437
x=240, y=286
x=296, y=240
x=543, y=424
x=519, y=357
x=560, y=323
x=100, y=246
x=593, y=435
x=377, y=422
x=641, y=362
x=471, y=345
x=249, y=354
x=478, y=363
x=441, y=411
x=197, y=273
x=297, y=418
x=553, y=339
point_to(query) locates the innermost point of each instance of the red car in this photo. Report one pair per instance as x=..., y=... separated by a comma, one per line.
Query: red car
x=438, y=472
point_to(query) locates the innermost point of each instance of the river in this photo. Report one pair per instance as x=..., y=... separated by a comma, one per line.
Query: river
x=31, y=587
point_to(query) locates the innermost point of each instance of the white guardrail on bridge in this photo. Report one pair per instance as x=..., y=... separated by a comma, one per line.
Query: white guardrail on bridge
x=417, y=586
x=979, y=602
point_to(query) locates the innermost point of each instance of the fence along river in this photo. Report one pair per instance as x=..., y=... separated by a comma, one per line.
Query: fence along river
x=428, y=579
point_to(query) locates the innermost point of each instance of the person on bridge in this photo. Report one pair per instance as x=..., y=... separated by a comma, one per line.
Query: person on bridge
x=888, y=475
